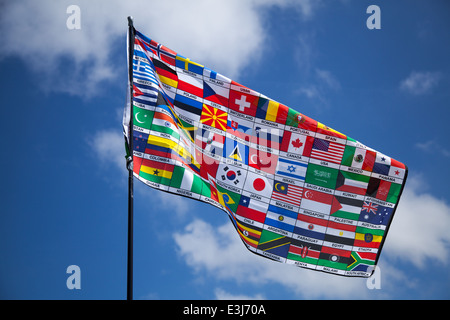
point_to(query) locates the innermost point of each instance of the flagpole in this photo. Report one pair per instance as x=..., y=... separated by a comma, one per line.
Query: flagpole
x=130, y=163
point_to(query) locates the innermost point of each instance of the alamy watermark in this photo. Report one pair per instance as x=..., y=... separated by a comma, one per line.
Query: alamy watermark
x=374, y=282
x=74, y=280
x=73, y=22
x=374, y=20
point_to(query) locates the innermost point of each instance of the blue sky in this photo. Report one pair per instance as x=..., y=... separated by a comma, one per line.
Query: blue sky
x=64, y=182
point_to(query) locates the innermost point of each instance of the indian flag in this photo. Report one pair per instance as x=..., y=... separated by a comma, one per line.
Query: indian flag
x=165, y=124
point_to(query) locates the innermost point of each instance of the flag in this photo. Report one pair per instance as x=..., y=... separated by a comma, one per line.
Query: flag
x=281, y=219
x=230, y=199
x=214, y=117
x=376, y=213
x=297, y=143
x=368, y=238
x=166, y=74
x=188, y=107
x=383, y=190
x=239, y=127
x=262, y=160
x=352, y=182
x=304, y=252
x=249, y=233
x=142, y=117
x=252, y=209
x=297, y=120
x=350, y=207
x=357, y=157
x=243, y=100
x=164, y=123
x=155, y=171
x=186, y=64
x=285, y=192
x=361, y=261
x=334, y=258
x=291, y=169
x=210, y=142
x=271, y=111
x=324, y=129
x=258, y=184
x=266, y=136
x=235, y=151
x=317, y=201
x=321, y=176
x=340, y=233
x=190, y=84
x=140, y=141
x=311, y=225
x=216, y=91
x=231, y=176
x=275, y=244
x=296, y=190
x=327, y=150
x=185, y=179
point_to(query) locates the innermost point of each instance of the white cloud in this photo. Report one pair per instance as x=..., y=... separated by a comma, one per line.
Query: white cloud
x=76, y=61
x=223, y=295
x=328, y=79
x=419, y=231
x=220, y=253
x=433, y=146
x=322, y=84
x=418, y=83
x=418, y=234
x=109, y=147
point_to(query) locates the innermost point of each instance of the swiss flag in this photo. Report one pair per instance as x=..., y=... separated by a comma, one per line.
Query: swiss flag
x=243, y=100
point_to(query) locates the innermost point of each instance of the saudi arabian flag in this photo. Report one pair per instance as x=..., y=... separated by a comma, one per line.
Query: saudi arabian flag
x=185, y=179
x=321, y=176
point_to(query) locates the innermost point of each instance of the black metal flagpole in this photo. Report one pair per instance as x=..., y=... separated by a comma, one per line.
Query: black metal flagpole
x=130, y=162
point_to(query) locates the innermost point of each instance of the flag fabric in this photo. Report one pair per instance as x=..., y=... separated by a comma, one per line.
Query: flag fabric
x=296, y=191
x=285, y=192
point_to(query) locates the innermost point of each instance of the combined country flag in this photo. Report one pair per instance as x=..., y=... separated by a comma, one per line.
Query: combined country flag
x=296, y=190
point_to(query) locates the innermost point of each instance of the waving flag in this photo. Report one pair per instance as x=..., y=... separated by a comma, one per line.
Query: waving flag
x=296, y=191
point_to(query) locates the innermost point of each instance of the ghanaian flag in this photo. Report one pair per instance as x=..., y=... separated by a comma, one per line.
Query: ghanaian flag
x=158, y=172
